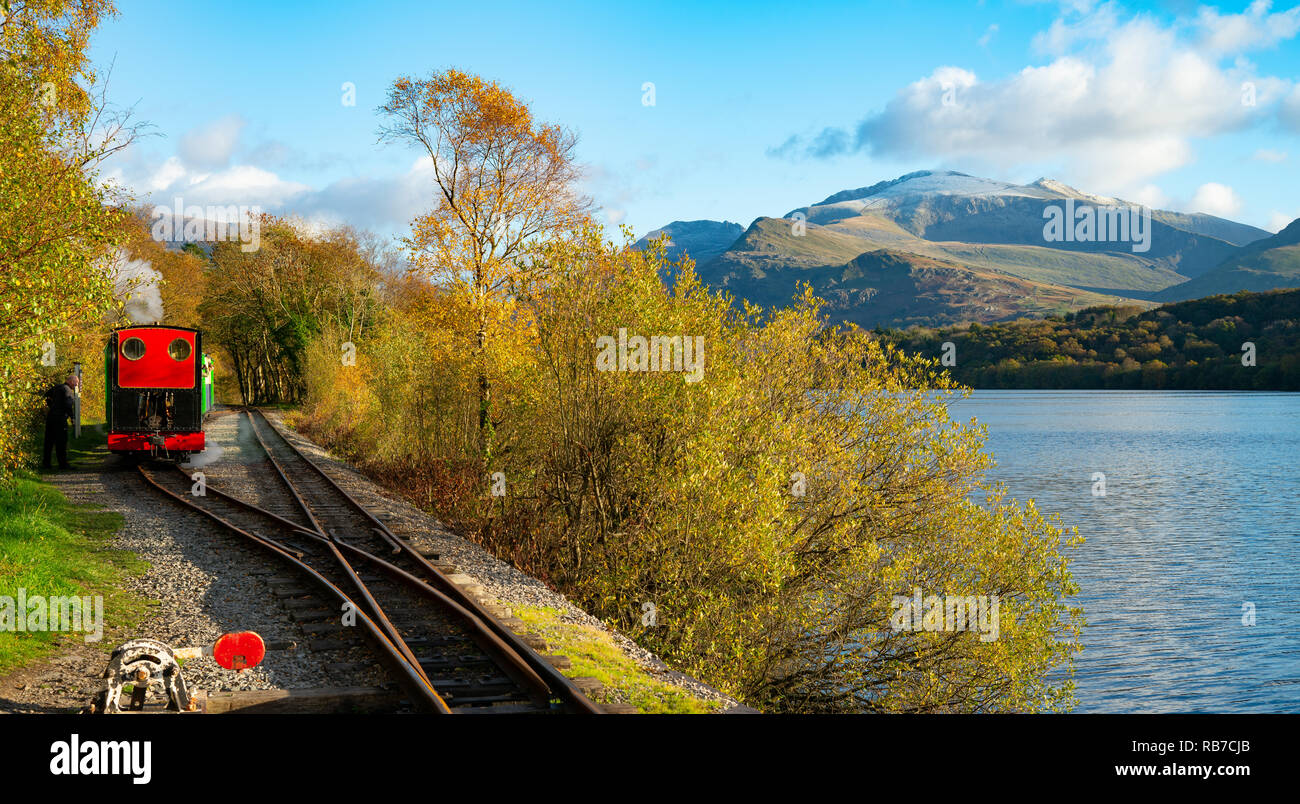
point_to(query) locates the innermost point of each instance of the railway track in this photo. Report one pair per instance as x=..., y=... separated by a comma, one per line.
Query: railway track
x=448, y=652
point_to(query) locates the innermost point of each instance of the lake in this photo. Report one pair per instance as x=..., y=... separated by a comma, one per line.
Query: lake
x=1201, y=516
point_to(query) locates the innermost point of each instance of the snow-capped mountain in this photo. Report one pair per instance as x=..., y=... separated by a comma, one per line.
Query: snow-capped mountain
x=961, y=247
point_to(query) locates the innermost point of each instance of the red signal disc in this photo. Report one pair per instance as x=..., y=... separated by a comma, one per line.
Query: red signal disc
x=239, y=650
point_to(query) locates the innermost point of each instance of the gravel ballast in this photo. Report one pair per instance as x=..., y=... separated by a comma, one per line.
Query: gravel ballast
x=503, y=582
x=208, y=581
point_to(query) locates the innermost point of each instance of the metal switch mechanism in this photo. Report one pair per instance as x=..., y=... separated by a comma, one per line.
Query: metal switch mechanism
x=142, y=662
x=146, y=662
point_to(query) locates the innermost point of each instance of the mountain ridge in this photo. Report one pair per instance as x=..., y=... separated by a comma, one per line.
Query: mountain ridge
x=958, y=230
x=1269, y=264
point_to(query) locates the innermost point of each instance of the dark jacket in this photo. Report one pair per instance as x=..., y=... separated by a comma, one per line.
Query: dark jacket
x=61, y=407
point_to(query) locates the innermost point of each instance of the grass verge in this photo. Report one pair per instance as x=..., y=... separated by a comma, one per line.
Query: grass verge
x=595, y=654
x=50, y=546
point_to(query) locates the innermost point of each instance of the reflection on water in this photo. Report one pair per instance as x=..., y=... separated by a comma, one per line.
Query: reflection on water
x=1199, y=517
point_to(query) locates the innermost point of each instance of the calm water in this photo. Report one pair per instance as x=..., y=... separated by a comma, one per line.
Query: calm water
x=1201, y=514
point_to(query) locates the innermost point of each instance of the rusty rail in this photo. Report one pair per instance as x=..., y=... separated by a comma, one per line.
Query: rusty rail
x=411, y=678
x=512, y=654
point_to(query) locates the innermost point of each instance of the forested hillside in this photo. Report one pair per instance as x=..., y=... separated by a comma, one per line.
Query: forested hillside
x=1247, y=341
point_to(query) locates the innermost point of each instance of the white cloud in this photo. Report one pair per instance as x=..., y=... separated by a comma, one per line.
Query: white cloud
x=988, y=35
x=1269, y=155
x=1280, y=220
x=211, y=146
x=240, y=184
x=378, y=203
x=1253, y=29
x=168, y=173
x=1150, y=195
x=243, y=184
x=1120, y=101
x=1065, y=33
x=384, y=203
x=1213, y=198
x=211, y=166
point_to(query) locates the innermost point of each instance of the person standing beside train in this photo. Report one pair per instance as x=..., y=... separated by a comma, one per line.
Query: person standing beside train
x=62, y=407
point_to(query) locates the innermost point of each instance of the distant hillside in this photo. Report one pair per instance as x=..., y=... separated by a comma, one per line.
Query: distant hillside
x=895, y=287
x=702, y=240
x=767, y=262
x=885, y=287
x=959, y=231
x=1267, y=264
x=1190, y=345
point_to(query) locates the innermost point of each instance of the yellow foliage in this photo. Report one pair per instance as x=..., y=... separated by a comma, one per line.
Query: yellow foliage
x=504, y=183
x=630, y=488
x=56, y=230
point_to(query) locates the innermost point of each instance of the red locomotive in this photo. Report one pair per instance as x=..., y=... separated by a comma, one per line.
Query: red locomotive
x=157, y=391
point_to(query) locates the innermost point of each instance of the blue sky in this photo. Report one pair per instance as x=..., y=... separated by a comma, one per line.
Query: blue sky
x=759, y=107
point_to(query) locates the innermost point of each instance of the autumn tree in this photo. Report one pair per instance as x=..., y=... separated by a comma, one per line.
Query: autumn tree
x=503, y=183
x=57, y=228
x=774, y=527
x=263, y=307
x=771, y=527
x=43, y=44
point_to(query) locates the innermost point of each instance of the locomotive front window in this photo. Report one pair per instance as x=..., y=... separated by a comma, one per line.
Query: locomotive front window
x=133, y=349
x=179, y=349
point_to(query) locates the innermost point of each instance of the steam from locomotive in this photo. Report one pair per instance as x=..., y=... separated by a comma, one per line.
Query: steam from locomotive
x=135, y=282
